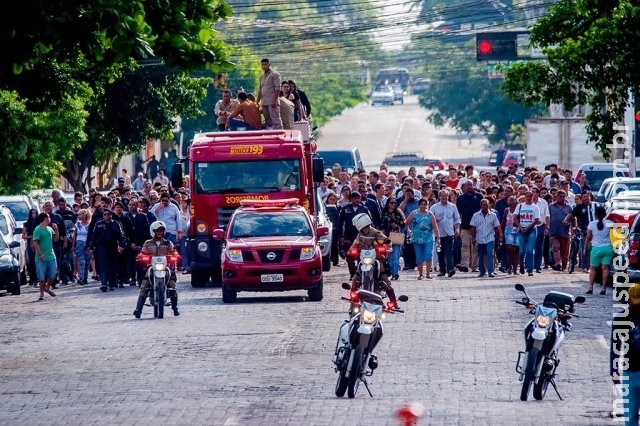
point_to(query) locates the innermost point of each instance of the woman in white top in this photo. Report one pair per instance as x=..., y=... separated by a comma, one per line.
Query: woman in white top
x=601, y=249
x=83, y=256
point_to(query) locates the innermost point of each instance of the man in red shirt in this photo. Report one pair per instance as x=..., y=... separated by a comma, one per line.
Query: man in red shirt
x=452, y=180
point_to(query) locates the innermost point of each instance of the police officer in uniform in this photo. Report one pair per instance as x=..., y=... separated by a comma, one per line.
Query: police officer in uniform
x=107, y=243
x=348, y=232
x=158, y=246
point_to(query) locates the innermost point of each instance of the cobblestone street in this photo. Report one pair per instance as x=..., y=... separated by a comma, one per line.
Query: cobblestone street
x=82, y=358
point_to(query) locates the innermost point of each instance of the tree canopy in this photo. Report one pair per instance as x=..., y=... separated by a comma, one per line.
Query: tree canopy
x=592, y=48
x=76, y=65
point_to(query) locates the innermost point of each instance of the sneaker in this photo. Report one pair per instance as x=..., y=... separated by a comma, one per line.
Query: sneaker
x=41, y=297
x=441, y=274
x=503, y=270
x=539, y=271
x=492, y=275
x=51, y=293
x=530, y=273
x=103, y=288
x=522, y=269
x=557, y=268
x=452, y=272
x=462, y=268
x=136, y=314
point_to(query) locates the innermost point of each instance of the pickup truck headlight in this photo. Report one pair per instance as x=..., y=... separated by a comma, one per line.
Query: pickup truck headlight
x=234, y=255
x=307, y=253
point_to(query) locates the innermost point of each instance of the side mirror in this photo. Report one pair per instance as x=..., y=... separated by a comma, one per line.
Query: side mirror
x=176, y=175
x=403, y=298
x=14, y=244
x=346, y=286
x=17, y=230
x=318, y=170
x=322, y=231
x=580, y=299
x=519, y=287
x=218, y=233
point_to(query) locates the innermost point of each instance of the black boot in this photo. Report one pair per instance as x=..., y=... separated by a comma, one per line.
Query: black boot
x=173, y=296
x=139, y=305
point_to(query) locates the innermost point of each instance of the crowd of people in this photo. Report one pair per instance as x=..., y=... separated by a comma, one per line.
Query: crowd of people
x=102, y=234
x=278, y=105
x=511, y=220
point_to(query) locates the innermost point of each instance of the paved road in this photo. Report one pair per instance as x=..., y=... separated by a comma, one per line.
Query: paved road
x=381, y=129
x=82, y=358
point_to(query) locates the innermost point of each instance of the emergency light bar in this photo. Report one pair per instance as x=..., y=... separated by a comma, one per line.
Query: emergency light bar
x=285, y=202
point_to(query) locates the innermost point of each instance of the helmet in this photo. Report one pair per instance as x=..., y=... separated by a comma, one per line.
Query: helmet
x=158, y=224
x=361, y=221
x=634, y=294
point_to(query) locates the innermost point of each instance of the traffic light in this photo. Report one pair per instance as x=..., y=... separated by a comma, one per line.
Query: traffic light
x=496, y=46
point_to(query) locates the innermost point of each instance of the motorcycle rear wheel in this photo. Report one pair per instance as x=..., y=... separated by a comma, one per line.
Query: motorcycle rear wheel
x=341, y=385
x=356, y=369
x=529, y=373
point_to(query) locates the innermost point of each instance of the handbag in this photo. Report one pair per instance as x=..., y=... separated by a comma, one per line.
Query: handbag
x=396, y=238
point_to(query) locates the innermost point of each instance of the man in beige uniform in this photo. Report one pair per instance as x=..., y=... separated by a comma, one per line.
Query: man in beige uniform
x=224, y=107
x=269, y=93
x=157, y=246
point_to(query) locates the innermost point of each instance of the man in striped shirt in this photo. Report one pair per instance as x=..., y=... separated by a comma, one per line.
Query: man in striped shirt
x=484, y=228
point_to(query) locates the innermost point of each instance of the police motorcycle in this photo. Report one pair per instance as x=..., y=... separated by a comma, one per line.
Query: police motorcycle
x=372, y=258
x=544, y=336
x=354, y=360
x=159, y=270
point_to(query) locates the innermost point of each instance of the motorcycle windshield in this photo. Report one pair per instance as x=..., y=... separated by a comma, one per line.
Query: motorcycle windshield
x=368, y=297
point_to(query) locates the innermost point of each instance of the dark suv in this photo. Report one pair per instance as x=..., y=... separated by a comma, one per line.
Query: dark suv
x=9, y=267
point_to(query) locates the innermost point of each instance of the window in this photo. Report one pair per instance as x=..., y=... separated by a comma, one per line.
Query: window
x=247, y=176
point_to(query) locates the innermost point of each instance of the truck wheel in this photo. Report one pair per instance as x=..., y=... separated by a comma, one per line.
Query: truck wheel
x=326, y=263
x=228, y=296
x=15, y=287
x=315, y=294
x=199, y=279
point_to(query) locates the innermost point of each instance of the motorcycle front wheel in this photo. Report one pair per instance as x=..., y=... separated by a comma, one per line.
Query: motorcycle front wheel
x=356, y=369
x=341, y=385
x=158, y=308
x=529, y=373
x=540, y=388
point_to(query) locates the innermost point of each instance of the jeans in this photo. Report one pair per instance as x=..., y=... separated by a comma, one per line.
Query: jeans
x=83, y=256
x=537, y=255
x=632, y=401
x=184, y=253
x=445, y=257
x=394, y=259
x=486, y=250
x=171, y=237
x=527, y=246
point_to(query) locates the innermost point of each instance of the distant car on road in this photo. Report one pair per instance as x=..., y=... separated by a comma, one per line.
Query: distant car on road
x=421, y=85
x=382, y=95
x=513, y=157
x=405, y=159
x=398, y=93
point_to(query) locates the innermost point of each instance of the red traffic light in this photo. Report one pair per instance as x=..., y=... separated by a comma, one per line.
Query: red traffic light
x=484, y=47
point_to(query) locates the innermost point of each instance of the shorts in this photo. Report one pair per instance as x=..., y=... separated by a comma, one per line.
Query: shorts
x=511, y=239
x=601, y=255
x=46, y=270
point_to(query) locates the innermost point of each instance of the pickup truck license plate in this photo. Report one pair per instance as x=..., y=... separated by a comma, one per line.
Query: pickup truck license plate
x=272, y=278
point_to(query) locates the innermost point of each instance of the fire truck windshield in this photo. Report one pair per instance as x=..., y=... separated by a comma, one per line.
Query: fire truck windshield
x=247, y=176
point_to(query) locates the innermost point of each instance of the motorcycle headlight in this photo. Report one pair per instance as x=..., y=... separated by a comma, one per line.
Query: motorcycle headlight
x=368, y=316
x=307, y=253
x=543, y=321
x=159, y=267
x=367, y=260
x=234, y=255
x=5, y=259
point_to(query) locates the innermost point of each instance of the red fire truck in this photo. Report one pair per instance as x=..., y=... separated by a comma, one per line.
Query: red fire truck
x=227, y=167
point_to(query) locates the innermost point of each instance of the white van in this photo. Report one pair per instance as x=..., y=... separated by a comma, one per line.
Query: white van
x=596, y=173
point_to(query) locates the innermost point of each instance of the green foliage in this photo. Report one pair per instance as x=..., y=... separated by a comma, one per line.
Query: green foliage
x=36, y=142
x=593, y=51
x=85, y=55
x=462, y=96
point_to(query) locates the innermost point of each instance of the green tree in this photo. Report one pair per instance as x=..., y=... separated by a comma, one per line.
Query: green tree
x=592, y=48
x=462, y=96
x=83, y=53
